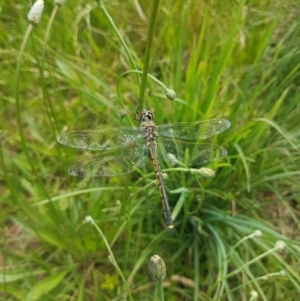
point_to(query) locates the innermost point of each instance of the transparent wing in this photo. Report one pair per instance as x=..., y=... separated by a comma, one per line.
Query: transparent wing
x=116, y=162
x=188, y=153
x=100, y=140
x=193, y=130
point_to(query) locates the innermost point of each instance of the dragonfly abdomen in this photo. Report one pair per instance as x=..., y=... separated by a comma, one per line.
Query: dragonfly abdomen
x=160, y=183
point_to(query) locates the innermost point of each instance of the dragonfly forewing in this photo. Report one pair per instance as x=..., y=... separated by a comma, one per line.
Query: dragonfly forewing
x=178, y=152
x=193, y=130
x=100, y=140
x=118, y=161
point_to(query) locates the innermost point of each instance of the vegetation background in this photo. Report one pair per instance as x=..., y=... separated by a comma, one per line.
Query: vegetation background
x=236, y=234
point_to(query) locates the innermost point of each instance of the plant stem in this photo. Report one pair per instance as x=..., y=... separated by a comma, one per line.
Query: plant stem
x=196, y=268
x=119, y=36
x=16, y=85
x=160, y=291
x=139, y=72
x=18, y=107
x=47, y=102
x=147, y=54
x=112, y=257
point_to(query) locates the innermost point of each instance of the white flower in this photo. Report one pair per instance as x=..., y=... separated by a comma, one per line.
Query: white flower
x=35, y=13
x=60, y=2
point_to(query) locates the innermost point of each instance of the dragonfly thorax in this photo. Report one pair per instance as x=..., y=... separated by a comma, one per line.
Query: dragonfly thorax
x=147, y=125
x=149, y=130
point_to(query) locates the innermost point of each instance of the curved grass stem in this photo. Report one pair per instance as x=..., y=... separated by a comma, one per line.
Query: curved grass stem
x=18, y=108
x=119, y=36
x=164, y=87
x=48, y=105
x=111, y=255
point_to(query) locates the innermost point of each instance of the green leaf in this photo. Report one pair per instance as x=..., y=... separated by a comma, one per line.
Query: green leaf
x=11, y=277
x=45, y=286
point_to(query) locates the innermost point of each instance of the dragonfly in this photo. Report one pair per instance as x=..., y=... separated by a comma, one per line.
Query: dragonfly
x=125, y=149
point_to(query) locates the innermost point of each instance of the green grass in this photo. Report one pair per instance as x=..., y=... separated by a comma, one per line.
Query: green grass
x=227, y=59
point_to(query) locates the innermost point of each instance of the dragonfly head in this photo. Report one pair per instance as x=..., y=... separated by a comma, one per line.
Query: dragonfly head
x=145, y=115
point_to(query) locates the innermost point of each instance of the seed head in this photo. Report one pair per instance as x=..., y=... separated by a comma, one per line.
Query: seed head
x=157, y=268
x=35, y=13
x=206, y=172
x=171, y=95
x=254, y=294
x=172, y=159
x=282, y=273
x=280, y=245
x=165, y=176
x=257, y=233
x=88, y=219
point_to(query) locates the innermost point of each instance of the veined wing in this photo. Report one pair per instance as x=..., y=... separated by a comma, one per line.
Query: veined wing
x=100, y=140
x=193, y=130
x=188, y=153
x=118, y=161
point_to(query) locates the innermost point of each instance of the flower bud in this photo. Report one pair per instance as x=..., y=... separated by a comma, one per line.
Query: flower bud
x=157, y=268
x=171, y=95
x=206, y=172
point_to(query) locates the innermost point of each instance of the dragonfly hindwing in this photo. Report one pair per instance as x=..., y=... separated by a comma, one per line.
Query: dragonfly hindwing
x=118, y=161
x=177, y=152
